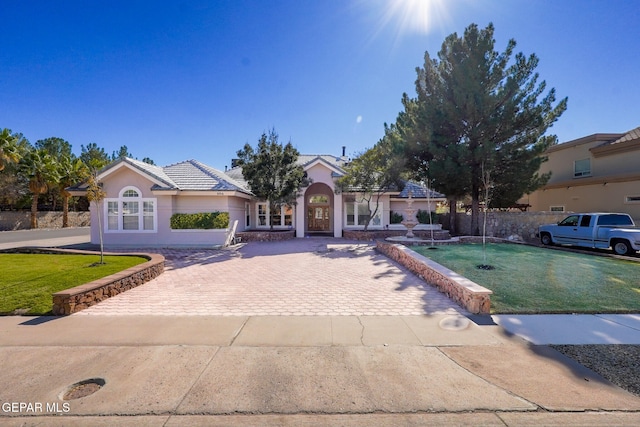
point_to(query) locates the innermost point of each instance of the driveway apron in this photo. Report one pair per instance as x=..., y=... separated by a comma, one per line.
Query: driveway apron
x=301, y=277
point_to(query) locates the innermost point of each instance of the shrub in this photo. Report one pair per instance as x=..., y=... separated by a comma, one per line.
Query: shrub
x=423, y=217
x=203, y=220
x=396, y=218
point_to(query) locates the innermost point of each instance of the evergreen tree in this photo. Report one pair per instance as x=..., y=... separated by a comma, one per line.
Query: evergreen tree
x=475, y=109
x=272, y=171
x=93, y=156
x=56, y=147
x=121, y=153
x=435, y=155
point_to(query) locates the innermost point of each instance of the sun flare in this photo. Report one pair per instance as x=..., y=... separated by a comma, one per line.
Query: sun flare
x=417, y=16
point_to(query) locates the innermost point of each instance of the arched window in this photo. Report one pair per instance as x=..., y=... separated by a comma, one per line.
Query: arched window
x=130, y=212
x=319, y=199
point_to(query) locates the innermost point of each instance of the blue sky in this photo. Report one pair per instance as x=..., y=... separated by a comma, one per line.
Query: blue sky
x=176, y=80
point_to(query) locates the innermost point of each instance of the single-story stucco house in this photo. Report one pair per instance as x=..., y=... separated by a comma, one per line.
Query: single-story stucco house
x=141, y=198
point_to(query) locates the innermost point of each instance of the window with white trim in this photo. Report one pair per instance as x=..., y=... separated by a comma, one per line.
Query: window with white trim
x=357, y=213
x=282, y=216
x=247, y=214
x=130, y=212
x=581, y=168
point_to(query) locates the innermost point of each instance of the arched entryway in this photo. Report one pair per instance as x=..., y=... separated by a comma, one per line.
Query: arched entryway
x=318, y=208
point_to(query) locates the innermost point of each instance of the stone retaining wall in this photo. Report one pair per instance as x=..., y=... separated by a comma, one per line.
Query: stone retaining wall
x=265, y=236
x=507, y=224
x=75, y=299
x=11, y=220
x=383, y=234
x=473, y=297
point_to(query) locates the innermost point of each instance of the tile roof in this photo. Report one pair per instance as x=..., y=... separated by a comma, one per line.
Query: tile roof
x=419, y=191
x=306, y=159
x=236, y=175
x=632, y=135
x=196, y=176
x=192, y=175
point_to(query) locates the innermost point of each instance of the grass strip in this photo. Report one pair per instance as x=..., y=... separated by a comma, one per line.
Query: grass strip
x=27, y=281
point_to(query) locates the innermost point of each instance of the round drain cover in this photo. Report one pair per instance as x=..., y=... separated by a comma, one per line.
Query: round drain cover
x=454, y=323
x=83, y=389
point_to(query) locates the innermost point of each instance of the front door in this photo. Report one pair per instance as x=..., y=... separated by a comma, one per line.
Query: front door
x=319, y=218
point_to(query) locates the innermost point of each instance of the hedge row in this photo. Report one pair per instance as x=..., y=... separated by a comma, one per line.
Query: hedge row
x=203, y=220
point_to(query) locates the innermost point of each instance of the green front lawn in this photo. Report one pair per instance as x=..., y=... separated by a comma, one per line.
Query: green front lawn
x=27, y=281
x=528, y=279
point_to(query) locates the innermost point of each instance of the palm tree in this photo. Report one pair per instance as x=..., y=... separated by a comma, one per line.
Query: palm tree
x=40, y=169
x=9, y=148
x=70, y=171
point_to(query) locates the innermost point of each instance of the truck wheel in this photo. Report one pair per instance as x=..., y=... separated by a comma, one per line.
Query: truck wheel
x=622, y=247
x=545, y=238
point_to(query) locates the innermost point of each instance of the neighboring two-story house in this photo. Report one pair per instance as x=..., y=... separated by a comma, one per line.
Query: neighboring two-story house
x=597, y=173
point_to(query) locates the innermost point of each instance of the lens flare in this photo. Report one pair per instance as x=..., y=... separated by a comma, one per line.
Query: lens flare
x=419, y=16
x=400, y=18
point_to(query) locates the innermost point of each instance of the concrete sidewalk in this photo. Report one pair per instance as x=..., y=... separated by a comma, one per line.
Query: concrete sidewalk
x=573, y=328
x=357, y=341
x=295, y=370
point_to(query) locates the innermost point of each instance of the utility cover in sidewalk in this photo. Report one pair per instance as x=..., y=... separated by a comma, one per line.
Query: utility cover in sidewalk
x=454, y=323
x=83, y=389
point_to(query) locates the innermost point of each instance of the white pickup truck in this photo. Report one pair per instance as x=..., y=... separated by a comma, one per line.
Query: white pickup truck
x=594, y=230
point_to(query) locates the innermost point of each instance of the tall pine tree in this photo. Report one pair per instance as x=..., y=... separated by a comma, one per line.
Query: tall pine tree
x=478, y=109
x=272, y=171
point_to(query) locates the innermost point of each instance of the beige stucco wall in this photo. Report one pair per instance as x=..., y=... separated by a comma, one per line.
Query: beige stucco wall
x=561, y=159
x=613, y=178
x=590, y=198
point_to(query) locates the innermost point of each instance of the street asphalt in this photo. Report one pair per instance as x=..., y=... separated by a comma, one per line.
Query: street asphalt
x=441, y=367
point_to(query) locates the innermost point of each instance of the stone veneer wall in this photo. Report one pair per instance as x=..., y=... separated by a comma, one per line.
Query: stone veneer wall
x=11, y=220
x=265, y=236
x=473, y=297
x=505, y=224
x=383, y=234
x=75, y=299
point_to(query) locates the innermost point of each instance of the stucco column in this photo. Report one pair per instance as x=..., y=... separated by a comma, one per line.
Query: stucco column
x=300, y=212
x=337, y=215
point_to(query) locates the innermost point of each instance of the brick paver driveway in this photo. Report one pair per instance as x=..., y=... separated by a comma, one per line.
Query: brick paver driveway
x=312, y=276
